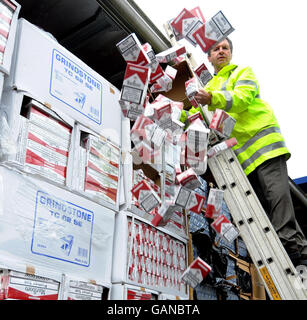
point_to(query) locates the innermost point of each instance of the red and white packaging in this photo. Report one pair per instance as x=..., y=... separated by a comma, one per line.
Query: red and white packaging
x=135, y=84
x=138, y=295
x=81, y=290
x=177, y=108
x=162, y=114
x=221, y=147
x=198, y=13
x=212, y=32
x=186, y=23
x=47, y=121
x=164, y=213
x=156, y=69
x=225, y=228
x=131, y=110
x=195, y=116
x=189, y=179
x=189, y=200
x=196, y=146
x=203, y=74
x=222, y=123
x=196, y=272
x=165, y=82
x=191, y=89
x=146, y=196
x=145, y=130
x=214, y=203
x=23, y=286
x=171, y=54
x=171, y=72
x=132, y=50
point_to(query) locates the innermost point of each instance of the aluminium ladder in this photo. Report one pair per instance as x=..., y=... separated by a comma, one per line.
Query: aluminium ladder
x=280, y=278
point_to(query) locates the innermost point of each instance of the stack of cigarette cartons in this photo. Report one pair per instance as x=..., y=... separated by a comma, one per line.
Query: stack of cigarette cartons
x=46, y=221
x=150, y=257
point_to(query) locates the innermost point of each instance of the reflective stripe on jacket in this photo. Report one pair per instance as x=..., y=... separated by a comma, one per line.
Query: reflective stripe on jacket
x=236, y=91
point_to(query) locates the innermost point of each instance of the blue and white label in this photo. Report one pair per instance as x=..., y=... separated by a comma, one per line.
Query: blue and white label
x=75, y=87
x=62, y=230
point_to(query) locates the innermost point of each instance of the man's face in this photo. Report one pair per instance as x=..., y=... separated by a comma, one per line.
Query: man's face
x=220, y=55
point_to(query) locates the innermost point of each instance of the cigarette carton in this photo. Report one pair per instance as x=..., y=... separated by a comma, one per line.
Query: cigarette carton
x=195, y=116
x=144, y=129
x=203, y=74
x=81, y=290
x=214, y=203
x=171, y=54
x=196, y=272
x=146, y=196
x=186, y=23
x=225, y=228
x=189, y=200
x=222, y=123
x=162, y=114
x=165, y=82
x=213, y=31
x=196, y=145
x=220, y=147
x=135, y=84
x=156, y=69
x=189, y=179
x=191, y=89
x=22, y=286
x=164, y=213
x=198, y=13
x=171, y=72
x=132, y=51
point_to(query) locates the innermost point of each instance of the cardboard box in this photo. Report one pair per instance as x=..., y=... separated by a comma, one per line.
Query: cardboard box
x=65, y=83
x=220, y=147
x=46, y=226
x=148, y=257
x=225, y=228
x=22, y=286
x=212, y=32
x=196, y=272
x=132, y=50
x=222, y=123
x=186, y=23
x=214, y=203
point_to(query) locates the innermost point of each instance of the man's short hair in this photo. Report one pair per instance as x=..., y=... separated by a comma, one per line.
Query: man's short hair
x=230, y=45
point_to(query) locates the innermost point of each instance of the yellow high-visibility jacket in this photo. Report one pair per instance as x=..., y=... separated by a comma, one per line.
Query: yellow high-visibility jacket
x=236, y=90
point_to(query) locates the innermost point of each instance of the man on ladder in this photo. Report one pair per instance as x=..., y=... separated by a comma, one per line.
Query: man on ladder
x=261, y=148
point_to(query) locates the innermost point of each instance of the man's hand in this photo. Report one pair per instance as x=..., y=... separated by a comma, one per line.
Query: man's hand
x=203, y=97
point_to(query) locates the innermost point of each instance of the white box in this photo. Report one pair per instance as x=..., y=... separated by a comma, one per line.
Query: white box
x=132, y=50
x=214, y=203
x=196, y=272
x=53, y=75
x=131, y=292
x=79, y=289
x=213, y=31
x=24, y=286
x=203, y=74
x=225, y=228
x=9, y=10
x=186, y=23
x=46, y=226
x=147, y=256
x=220, y=147
x=222, y=123
x=171, y=54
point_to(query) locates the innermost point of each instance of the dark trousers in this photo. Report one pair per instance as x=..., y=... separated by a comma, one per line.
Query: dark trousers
x=270, y=183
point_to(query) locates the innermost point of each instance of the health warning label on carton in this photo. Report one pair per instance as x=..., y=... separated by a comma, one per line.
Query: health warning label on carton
x=75, y=87
x=62, y=230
